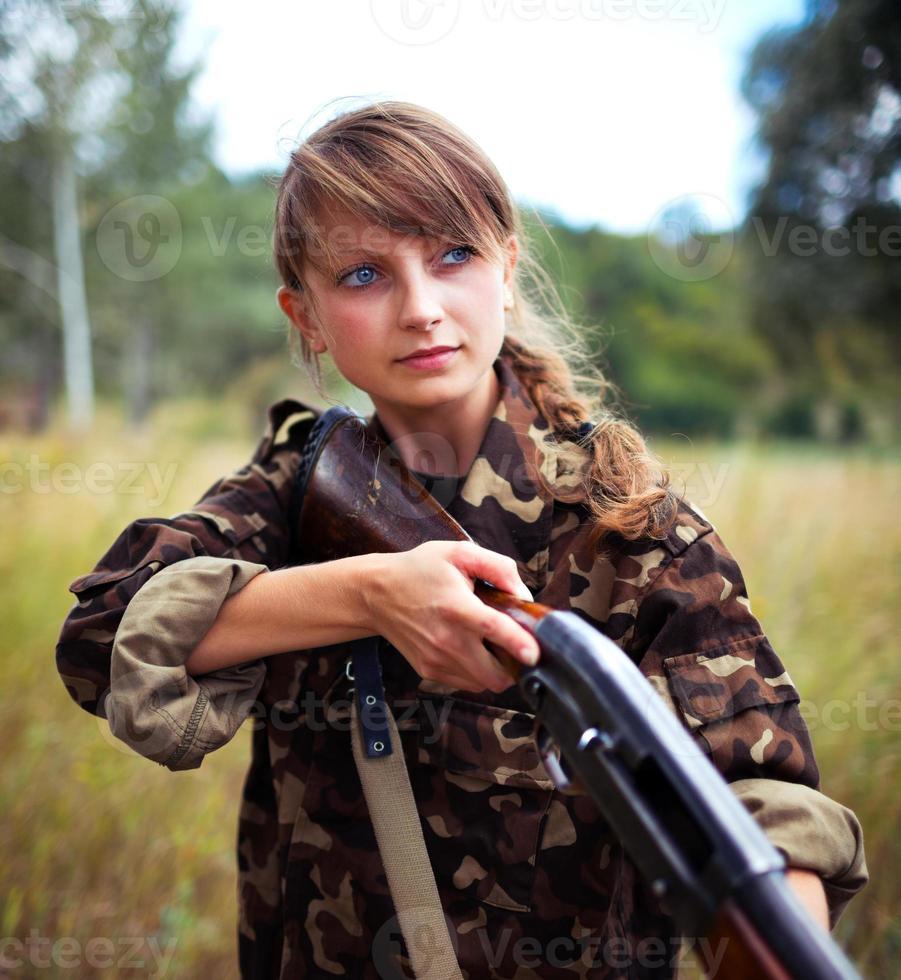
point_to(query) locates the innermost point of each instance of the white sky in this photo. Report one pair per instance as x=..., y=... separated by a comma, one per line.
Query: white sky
x=600, y=110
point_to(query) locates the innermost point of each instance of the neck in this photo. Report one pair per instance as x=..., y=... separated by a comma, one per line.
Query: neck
x=442, y=441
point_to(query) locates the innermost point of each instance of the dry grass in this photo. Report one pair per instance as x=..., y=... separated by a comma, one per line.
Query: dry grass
x=99, y=843
x=816, y=535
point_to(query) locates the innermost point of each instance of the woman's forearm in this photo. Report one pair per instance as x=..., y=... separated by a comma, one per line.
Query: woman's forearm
x=808, y=888
x=288, y=609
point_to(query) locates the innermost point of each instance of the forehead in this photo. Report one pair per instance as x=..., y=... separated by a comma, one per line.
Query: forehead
x=346, y=234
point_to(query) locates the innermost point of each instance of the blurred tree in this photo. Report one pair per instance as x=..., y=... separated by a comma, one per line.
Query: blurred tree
x=152, y=150
x=91, y=90
x=681, y=353
x=823, y=232
x=29, y=310
x=48, y=66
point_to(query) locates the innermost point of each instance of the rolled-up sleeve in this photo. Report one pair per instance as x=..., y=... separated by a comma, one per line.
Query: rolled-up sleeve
x=813, y=832
x=153, y=704
x=706, y=654
x=241, y=526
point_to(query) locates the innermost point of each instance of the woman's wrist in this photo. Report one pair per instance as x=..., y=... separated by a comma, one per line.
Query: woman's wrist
x=369, y=576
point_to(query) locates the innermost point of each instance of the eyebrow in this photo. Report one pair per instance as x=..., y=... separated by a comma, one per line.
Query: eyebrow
x=367, y=252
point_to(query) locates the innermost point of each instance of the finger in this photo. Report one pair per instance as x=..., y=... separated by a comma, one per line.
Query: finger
x=472, y=667
x=498, y=570
x=487, y=670
x=453, y=669
x=471, y=684
x=459, y=682
x=504, y=632
x=458, y=675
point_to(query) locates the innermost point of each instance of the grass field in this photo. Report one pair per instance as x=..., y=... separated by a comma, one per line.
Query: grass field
x=120, y=862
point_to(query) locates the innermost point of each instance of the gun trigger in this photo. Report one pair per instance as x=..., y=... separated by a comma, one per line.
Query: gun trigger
x=551, y=759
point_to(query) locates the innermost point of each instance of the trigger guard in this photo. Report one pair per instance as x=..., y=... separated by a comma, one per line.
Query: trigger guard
x=551, y=760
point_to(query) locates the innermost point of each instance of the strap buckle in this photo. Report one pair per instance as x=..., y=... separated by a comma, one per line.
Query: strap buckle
x=364, y=669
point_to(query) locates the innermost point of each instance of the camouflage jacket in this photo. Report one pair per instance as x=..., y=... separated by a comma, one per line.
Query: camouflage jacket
x=532, y=881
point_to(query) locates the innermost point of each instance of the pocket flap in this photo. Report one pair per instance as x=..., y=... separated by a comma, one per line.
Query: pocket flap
x=148, y=541
x=84, y=583
x=236, y=524
x=721, y=682
x=481, y=741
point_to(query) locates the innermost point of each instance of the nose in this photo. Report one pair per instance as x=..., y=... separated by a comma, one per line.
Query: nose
x=420, y=304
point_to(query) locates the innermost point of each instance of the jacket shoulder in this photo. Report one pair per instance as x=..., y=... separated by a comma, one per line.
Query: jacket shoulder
x=288, y=424
x=690, y=525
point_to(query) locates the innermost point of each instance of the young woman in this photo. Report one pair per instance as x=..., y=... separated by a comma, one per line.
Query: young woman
x=403, y=258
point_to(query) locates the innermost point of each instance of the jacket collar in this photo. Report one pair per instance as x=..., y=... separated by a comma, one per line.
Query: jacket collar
x=502, y=502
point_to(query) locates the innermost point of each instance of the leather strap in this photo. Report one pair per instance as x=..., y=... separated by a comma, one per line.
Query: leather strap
x=395, y=819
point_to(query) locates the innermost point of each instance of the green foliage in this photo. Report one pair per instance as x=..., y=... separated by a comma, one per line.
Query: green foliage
x=823, y=233
x=681, y=352
x=214, y=312
x=773, y=342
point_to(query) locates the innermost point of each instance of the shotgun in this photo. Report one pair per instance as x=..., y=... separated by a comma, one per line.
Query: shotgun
x=600, y=727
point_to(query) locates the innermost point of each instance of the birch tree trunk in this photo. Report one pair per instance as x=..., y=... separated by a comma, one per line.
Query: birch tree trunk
x=138, y=368
x=73, y=307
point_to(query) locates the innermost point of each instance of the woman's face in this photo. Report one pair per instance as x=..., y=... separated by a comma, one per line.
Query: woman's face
x=395, y=294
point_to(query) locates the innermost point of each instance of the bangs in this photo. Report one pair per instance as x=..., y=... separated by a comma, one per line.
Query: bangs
x=401, y=186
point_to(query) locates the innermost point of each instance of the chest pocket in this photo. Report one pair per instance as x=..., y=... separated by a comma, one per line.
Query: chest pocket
x=483, y=793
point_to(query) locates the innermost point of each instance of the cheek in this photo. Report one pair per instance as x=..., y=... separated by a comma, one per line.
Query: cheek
x=346, y=323
x=484, y=296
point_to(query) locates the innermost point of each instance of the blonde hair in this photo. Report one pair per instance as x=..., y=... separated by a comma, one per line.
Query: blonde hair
x=408, y=169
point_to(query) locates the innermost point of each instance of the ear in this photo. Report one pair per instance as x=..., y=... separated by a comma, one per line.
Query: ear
x=293, y=304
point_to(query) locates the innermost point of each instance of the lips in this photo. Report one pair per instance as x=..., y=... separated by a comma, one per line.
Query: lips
x=426, y=352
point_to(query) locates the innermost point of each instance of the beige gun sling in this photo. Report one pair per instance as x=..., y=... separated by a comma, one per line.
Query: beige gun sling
x=389, y=796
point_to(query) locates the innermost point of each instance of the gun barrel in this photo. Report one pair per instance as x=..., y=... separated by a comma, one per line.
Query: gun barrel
x=674, y=814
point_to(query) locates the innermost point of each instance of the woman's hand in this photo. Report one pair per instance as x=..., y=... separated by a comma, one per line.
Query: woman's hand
x=422, y=601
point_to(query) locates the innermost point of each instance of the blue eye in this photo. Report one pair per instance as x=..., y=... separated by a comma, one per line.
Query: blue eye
x=467, y=250
x=360, y=270
x=367, y=271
